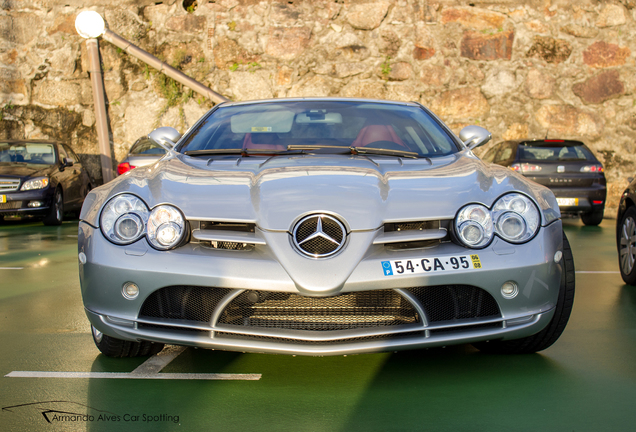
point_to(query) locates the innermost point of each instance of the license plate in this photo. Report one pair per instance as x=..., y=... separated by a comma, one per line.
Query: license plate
x=431, y=265
x=567, y=202
x=3, y=199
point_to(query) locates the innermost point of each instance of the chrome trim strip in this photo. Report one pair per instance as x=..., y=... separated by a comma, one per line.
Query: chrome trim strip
x=227, y=236
x=409, y=236
x=220, y=307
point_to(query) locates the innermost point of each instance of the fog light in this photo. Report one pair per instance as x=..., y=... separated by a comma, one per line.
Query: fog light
x=557, y=256
x=509, y=290
x=130, y=290
x=34, y=204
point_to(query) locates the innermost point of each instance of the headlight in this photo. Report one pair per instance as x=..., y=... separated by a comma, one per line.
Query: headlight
x=166, y=227
x=474, y=225
x=38, y=183
x=514, y=218
x=123, y=219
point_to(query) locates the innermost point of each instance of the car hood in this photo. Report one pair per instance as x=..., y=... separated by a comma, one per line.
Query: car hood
x=364, y=192
x=24, y=170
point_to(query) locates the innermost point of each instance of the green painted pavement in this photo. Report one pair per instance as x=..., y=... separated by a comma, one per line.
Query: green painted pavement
x=585, y=382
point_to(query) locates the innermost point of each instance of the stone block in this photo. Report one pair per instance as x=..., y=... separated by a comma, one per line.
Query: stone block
x=550, y=49
x=400, y=71
x=479, y=46
x=63, y=24
x=287, y=43
x=599, y=88
x=367, y=16
x=611, y=15
x=602, y=54
x=435, y=76
x=364, y=89
x=423, y=53
x=227, y=52
x=348, y=69
x=20, y=27
x=473, y=18
x=401, y=92
x=539, y=85
x=313, y=86
x=284, y=76
x=461, y=103
x=516, y=131
x=580, y=31
x=187, y=23
x=499, y=83
x=250, y=86
x=57, y=93
x=569, y=121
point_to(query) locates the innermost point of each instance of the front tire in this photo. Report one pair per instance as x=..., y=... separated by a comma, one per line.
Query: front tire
x=627, y=246
x=551, y=333
x=55, y=215
x=592, y=218
x=113, y=347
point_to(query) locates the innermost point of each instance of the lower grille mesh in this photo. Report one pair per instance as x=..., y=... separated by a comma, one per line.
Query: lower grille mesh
x=295, y=312
x=455, y=302
x=183, y=303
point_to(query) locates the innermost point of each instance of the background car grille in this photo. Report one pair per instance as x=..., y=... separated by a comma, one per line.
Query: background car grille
x=9, y=185
x=11, y=205
x=295, y=312
x=183, y=303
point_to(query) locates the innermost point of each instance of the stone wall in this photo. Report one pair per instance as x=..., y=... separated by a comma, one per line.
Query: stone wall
x=521, y=69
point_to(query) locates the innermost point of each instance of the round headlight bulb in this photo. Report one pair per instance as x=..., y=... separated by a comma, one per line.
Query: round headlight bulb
x=166, y=227
x=168, y=233
x=511, y=226
x=128, y=227
x=471, y=232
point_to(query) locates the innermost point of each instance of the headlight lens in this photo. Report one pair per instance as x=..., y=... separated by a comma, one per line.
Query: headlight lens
x=166, y=227
x=123, y=219
x=514, y=218
x=474, y=225
x=37, y=183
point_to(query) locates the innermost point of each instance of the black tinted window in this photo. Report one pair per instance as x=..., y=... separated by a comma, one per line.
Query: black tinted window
x=144, y=146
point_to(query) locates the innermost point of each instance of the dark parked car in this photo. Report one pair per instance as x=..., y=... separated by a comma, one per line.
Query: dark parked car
x=567, y=167
x=143, y=152
x=626, y=234
x=41, y=178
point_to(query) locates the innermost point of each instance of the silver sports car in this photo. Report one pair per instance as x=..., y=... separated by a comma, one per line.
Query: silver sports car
x=323, y=227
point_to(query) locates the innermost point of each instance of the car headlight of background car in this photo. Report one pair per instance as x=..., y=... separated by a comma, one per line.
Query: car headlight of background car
x=34, y=184
x=126, y=218
x=513, y=217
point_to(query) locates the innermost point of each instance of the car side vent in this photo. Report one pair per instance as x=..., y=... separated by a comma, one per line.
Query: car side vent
x=225, y=235
x=413, y=234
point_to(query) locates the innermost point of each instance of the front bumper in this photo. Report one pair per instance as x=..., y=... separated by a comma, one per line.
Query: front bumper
x=18, y=202
x=108, y=267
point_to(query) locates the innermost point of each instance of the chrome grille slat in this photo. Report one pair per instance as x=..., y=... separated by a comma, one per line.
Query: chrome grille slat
x=9, y=185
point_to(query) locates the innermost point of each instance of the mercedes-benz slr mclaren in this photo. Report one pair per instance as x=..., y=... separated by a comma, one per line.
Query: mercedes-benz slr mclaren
x=323, y=227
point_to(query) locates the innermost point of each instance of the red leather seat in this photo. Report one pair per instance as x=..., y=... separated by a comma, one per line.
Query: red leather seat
x=372, y=133
x=263, y=142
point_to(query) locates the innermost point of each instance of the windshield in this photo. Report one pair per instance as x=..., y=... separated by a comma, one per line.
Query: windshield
x=31, y=153
x=555, y=152
x=329, y=126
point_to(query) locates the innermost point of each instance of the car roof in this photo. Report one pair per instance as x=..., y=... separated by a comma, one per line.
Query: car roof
x=550, y=142
x=319, y=99
x=34, y=141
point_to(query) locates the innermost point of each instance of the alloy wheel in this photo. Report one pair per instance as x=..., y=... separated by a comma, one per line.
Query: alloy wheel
x=628, y=245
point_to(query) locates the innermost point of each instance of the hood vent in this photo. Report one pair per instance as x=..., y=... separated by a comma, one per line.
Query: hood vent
x=225, y=235
x=413, y=234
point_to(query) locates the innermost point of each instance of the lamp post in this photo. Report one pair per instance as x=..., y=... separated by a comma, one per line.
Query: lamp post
x=90, y=25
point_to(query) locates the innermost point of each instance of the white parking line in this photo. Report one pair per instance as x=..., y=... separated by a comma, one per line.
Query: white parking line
x=147, y=370
x=120, y=375
x=11, y=268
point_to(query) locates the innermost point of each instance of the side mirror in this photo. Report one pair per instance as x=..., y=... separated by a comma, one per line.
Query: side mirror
x=165, y=136
x=474, y=136
x=68, y=162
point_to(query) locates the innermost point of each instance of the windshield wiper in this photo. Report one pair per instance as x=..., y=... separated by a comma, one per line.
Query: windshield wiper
x=211, y=152
x=387, y=152
x=238, y=151
x=344, y=149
